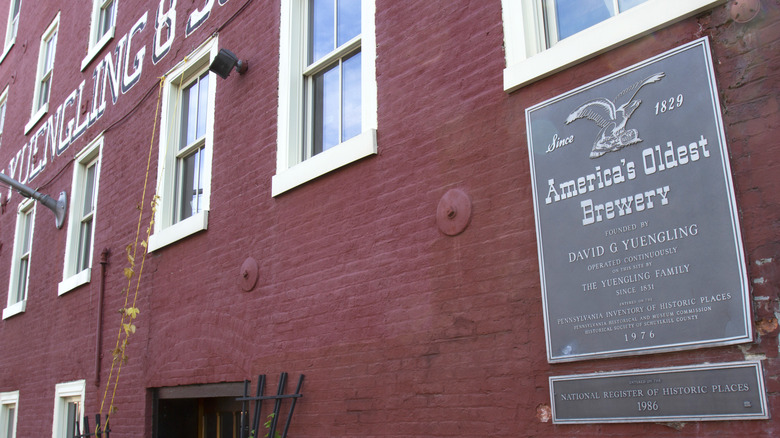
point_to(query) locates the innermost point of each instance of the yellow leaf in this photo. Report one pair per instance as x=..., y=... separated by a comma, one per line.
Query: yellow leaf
x=132, y=312
x=129, y=251
x=129, y=273
x=129, y=328
x=143, y=243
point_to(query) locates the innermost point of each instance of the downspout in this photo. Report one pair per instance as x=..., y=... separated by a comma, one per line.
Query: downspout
x=99, y=329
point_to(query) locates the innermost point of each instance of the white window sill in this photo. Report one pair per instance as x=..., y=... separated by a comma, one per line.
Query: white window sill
x=7, y=49
x=15, y=309
x=340, y=155
x=620, y=29
x=168, y=235
x=74, y=281
x=97, y=47
x=36, y=118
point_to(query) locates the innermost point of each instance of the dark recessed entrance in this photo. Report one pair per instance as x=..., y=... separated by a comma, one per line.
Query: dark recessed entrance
x=198, y=411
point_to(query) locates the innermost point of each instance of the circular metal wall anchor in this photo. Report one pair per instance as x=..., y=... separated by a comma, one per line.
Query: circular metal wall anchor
x=743, y=11
x=247, y=277
x=453, y=214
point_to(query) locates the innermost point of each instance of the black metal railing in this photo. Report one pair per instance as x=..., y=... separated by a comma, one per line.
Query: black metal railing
x=100, y=431
x=272, y=422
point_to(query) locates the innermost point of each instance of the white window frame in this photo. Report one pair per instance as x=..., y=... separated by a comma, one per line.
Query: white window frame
x=63, y=394
x=27, y=211
x=97, y=41
x=527, y=60
x=291, y=170
x=166, y=231
x=3, y=109
x=11, y=29
x=8, y=400
x=38, y=111
x=72, y=277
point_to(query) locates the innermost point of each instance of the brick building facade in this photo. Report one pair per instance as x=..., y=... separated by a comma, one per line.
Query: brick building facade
x=296, y=230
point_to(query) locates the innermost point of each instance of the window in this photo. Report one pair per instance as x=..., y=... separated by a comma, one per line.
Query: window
x=543, y=37
x=102, y=28
x=3, y=105
x=20, y=264
x=45, y=69
x=81, y=219
x=564, y=18
x=13, y=26
x=68, y=409
x=327, y=92
x=184, y=167
x=9, y=408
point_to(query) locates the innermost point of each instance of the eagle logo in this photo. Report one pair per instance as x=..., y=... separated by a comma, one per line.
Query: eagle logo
x=612, y=118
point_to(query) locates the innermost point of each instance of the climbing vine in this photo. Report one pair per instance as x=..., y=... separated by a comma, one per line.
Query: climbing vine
x=133, y=273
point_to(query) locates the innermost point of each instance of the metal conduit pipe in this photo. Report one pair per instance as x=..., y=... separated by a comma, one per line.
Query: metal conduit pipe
x=99, y=325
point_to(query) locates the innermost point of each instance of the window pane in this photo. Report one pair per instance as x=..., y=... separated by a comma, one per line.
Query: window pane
x=26, y=231
x=194, y=107
x=348, y=20
x=15, y=19
x=44, y=97
x=22, y=279
x=227, y=427
x=89, y=191
x=85, y=244
x=189, y=113
x=351, y=110
x=9, y=421
x=106, y=19
x=576, y=15
x=326, y=110
x=210, y=425
x=50, y=49
x=625, y=5
x=322, y=28
x=72, y=419
x=190, y=185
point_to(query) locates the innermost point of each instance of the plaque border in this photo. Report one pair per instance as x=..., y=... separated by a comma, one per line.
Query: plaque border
x=747, y=335
x=756, y=364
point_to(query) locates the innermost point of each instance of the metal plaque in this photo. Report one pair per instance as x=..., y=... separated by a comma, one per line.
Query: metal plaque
x=729, y=391
x=637, y=229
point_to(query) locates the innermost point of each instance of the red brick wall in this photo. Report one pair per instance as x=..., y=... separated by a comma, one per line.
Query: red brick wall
x=400, y=330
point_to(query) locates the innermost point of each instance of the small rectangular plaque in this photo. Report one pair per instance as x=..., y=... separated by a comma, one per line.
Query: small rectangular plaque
x=728, y=391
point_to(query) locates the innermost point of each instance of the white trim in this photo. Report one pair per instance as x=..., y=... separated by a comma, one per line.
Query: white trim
x=165, y=231
x=96, y=44
x=6, y=50
x=291, y=170
x=10, y=39
x=9, y=398
x=94, y=50
x=25, y=207
x=15, y=309
x=72, y=279
x=340, y=155
x=63, y=392
x=193, y=224
x=36, y=117
x=48, y=35
x=527, y=61
x=3, y=116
